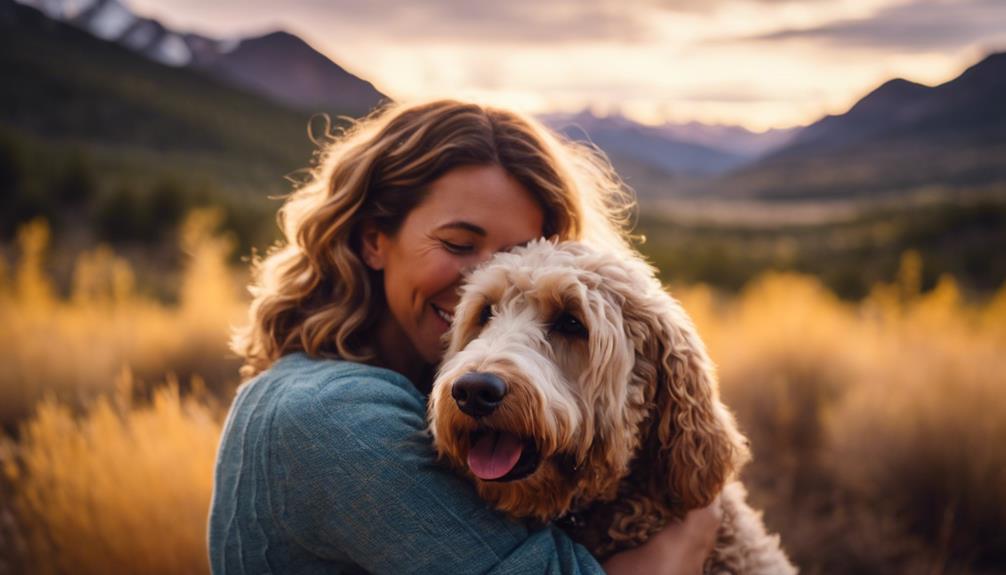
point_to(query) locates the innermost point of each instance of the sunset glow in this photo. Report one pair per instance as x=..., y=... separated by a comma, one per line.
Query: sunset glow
x=757, y=63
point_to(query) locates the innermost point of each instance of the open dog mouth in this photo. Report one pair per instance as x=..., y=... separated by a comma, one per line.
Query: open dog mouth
x=501, y=456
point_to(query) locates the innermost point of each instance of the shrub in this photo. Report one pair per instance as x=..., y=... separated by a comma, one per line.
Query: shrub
x=74, y=348
x=121, y=489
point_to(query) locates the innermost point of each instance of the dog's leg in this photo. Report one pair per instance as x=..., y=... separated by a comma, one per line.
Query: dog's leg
x=743, y=546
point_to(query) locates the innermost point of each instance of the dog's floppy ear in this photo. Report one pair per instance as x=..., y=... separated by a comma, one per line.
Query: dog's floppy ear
x=692, y=444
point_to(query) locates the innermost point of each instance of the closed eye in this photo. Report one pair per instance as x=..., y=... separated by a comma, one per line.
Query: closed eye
x=567, y=324
x=457, y=248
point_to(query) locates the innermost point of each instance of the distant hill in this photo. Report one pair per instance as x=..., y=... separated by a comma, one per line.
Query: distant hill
x=889, y=105
x=654, y=159
x=619, y=136
x=64, y=84
x=288, y=70
x=899, y=137
x=731, y=139
x=277, y=65
x=94, y=134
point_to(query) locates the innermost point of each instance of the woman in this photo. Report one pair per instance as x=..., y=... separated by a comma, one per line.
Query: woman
x=325, y=466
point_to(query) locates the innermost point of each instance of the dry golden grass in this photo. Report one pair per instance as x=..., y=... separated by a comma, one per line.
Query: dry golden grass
x=74, y=347
x=877, y=426
x=95, y=483
x=124, y=489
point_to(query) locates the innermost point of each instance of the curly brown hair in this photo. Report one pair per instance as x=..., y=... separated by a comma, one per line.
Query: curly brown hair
x=313, y=293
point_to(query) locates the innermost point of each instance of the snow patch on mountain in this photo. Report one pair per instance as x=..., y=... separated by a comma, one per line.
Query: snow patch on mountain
x=60, y=9
x=173, y=51
x=141, y=35
x=110, y=20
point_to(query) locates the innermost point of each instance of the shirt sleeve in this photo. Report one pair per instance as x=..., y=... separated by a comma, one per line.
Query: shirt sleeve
x=355, y=476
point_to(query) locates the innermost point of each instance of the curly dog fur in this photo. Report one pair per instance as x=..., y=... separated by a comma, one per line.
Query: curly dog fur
x=610, y=388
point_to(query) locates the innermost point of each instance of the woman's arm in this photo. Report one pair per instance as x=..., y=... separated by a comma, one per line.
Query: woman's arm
x=681, y=548
x=354, y=476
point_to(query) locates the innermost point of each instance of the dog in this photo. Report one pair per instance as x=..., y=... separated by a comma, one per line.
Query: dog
x=576, y=390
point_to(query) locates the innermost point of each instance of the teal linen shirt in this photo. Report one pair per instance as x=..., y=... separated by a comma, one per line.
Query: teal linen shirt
x=327, y=467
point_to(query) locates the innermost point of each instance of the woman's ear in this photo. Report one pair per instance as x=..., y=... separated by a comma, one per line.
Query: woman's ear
x=372, y=246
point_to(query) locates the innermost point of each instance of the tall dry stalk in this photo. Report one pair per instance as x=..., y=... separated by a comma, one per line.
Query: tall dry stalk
x=121, y=489
x=877, y=426
x=73, y=348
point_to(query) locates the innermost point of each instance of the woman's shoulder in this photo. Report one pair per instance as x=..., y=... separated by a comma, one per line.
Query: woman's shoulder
x=300, y=377
x=309, y=392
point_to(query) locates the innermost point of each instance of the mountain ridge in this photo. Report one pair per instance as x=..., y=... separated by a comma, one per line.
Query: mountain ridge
x=900, y=136
x=307, y=79
x=274, y=62
x=72, y=88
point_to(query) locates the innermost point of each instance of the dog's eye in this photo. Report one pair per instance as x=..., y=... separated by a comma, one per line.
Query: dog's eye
x=568, y=325
x=485, y=315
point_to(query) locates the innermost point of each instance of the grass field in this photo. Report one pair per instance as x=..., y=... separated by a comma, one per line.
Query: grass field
x=850, y=245
x=876, y=423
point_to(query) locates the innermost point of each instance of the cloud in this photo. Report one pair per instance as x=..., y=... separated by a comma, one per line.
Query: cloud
x=519, y=21
x=706, y=6
x=514, y=21
x=919, y=26
x=534, y=22
x=734, y=95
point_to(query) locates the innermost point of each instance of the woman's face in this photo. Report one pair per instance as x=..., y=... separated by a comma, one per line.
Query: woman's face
x=470, y=213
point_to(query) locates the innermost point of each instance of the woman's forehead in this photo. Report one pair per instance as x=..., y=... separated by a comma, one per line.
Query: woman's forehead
x=483, y=200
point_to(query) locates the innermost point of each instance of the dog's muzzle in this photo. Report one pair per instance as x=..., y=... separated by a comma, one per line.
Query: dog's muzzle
x=478, y=394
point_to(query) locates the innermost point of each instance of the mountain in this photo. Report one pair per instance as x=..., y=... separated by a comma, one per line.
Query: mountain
x=657, y=160
x=110, y=145
x=66, y=85
x=892, y=104
x=900, y=137
x=619, y=136
x=288, y=70
x=113, y=21
x=277, y=65
x=732, y=139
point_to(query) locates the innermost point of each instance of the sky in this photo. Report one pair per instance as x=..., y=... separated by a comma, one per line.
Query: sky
x=756, y=63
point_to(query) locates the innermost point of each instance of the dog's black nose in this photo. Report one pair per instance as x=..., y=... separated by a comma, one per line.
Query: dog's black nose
x=477, y=393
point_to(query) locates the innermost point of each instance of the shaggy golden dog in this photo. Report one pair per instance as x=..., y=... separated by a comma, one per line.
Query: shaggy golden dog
x=575, y=389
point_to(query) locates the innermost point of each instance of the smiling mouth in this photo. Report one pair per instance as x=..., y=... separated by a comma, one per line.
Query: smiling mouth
x=501, y=456
x=448, y=317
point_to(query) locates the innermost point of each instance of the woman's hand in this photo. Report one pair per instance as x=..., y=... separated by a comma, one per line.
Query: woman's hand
x=679, y=548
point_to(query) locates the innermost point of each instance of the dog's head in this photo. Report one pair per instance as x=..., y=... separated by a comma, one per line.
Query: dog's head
x=568, y=370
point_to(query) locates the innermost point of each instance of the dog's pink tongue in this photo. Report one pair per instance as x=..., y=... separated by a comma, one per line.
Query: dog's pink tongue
x=494, y=454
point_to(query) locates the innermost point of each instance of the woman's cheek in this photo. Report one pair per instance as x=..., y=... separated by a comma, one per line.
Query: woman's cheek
x=439, y=274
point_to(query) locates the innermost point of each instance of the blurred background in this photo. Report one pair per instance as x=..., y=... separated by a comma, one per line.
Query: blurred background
x=822, y=183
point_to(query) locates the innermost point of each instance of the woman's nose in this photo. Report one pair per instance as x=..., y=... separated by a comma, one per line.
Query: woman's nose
x=484, y=256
